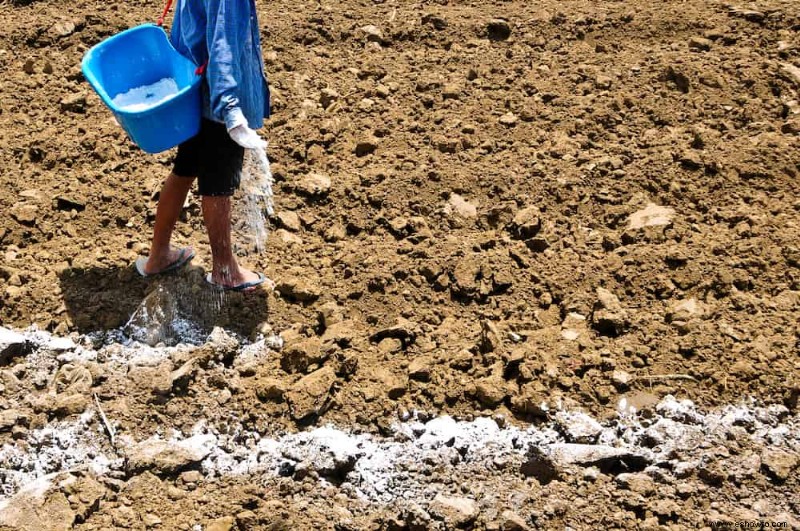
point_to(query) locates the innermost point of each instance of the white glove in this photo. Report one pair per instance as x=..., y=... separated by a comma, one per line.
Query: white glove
x=246, y=137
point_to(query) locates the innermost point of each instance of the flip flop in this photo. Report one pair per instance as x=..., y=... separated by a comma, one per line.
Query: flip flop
x=245, y=286
x=183, y=258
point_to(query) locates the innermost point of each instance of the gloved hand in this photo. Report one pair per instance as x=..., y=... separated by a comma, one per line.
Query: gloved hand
x=246, y=137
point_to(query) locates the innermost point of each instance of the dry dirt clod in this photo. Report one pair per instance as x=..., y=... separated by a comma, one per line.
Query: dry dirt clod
x=511, y=521
x=313, y=184
x=455, y=511
x=167, y=457
x=700, y=44
x=221, y=524
x=310, y=395
x=373, y=33
x=10, y=418
x=609, y=317
x=25, y=214
x=297, y=288
x=43, y=505
x=75, y=103
x=778, y=464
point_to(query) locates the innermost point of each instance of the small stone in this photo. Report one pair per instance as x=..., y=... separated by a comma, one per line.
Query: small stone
x=498, y=29
x=526, y=223
x=390, y=345
x=341, y=333
x=335, y=233
x=604, y=457
x=700, y=44
x=690, y=160
x=578, y=427
x=651, y=216
x=168, y=457
x=540, y=465
x=603, y=82
x=392, y=383
x=455, y=511
x=748, y=14
x=462, y=207
x=29, y=67
x=681, y=313
x=63, y=28
x=192, y=476
x=509, y=119
x=403, y=329
x=314, y=184
x=73, y=379
x=183, y=375
x=24, y=214
x=373, y=33
x=621, y=378
x=289, y=220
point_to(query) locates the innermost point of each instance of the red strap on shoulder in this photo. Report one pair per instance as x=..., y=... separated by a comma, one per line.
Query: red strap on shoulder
x=201, y=69
x=164, y=14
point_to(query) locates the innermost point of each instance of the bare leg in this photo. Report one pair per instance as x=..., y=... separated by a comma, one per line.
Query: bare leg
x=170, y=203
x=225, y=269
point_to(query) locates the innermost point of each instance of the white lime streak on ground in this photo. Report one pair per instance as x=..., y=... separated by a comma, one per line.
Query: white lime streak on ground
x=146, y=97
x=382, y=469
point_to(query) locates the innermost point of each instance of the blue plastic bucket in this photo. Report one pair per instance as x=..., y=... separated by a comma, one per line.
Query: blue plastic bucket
x=140, y=57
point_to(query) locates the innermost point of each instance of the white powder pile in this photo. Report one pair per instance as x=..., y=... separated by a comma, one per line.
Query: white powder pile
x=142, y=98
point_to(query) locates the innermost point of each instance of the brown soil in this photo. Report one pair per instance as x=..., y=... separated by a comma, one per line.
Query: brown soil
x=476, y=251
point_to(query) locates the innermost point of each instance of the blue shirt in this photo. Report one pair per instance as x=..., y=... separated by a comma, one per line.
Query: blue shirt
x=225, y=34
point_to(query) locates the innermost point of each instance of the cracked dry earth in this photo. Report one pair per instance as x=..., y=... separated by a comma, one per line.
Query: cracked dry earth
x=537, y=266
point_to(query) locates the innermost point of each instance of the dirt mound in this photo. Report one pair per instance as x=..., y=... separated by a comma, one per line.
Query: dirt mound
x=480, y=209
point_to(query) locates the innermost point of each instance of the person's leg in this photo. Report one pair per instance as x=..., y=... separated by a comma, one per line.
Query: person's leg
x=170, y=203
x=225, y=269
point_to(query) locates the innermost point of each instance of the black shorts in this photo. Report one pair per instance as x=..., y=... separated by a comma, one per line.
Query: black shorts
x=213, y=157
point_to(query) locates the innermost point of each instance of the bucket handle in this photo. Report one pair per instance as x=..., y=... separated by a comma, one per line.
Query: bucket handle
x=164, y=14
x=200, y=69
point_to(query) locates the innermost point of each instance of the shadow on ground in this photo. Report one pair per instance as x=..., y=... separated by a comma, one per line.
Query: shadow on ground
x=103, y=299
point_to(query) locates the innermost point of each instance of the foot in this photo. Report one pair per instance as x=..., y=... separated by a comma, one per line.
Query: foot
x=157, y=262
x=236, y=276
